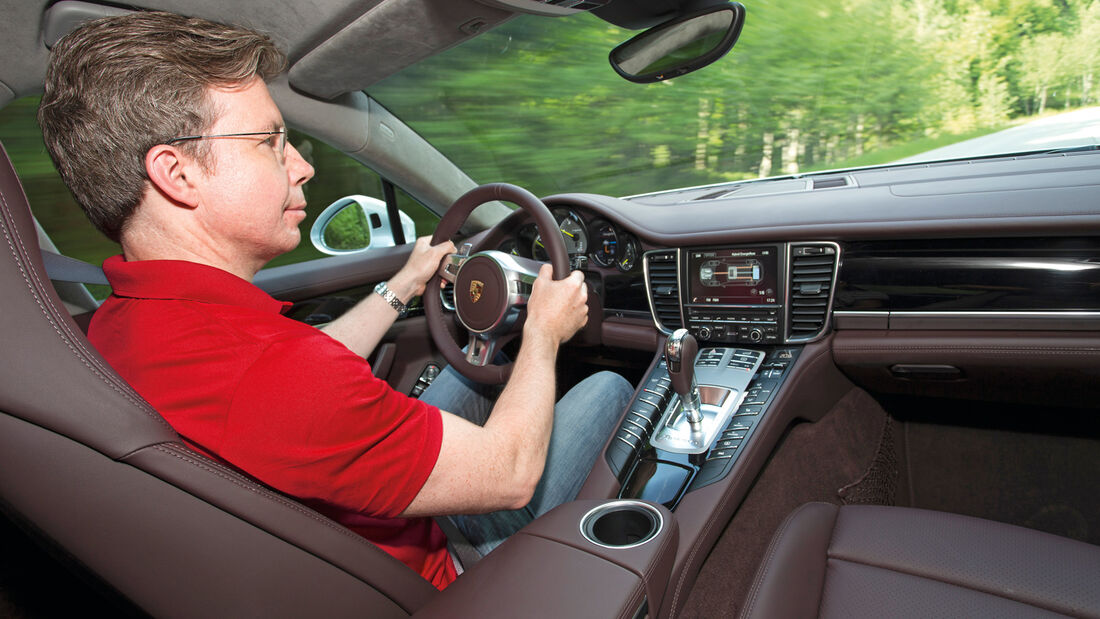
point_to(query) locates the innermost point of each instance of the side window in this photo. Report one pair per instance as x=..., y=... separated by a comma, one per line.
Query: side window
x=335, y=176
x=50, y=200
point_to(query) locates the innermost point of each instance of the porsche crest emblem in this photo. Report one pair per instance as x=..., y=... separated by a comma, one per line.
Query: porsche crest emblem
x=476, y=286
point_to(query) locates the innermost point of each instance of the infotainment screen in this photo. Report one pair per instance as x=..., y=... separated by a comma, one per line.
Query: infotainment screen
x=733, y=276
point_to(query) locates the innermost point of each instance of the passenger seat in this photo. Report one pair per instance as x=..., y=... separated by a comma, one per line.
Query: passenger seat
x=873, y=561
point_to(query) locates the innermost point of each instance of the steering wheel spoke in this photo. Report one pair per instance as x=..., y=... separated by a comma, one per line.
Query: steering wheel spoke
x=520, y=273
x=482, y=349
x=448, y=269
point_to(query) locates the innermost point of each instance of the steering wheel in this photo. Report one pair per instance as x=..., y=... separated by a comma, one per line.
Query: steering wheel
x=491, y=287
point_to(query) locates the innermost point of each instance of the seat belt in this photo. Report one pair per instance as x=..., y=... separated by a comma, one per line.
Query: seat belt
x=65, y=269
x=457, y=543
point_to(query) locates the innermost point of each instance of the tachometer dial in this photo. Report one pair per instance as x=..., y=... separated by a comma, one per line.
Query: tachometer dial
x=628, y=254
x=509, y=247
x=572, y=232
x=605, y=244
x=538, y=250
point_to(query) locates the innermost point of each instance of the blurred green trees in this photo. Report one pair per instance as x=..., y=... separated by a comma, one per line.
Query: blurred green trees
x=810, y=85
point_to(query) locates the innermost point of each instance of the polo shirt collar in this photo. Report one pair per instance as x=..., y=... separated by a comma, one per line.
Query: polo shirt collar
x=185, y=281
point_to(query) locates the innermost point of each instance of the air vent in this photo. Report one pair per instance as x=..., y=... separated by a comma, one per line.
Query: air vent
x=829, y=182
x=721, y=193
x=664, y=290
x=813, y=269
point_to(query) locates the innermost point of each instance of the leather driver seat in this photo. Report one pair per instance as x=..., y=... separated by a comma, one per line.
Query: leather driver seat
x=872, y=561
x=102, y=477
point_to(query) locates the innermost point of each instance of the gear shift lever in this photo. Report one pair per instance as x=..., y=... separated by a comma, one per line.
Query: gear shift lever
x=680, y=352
x=693, y=423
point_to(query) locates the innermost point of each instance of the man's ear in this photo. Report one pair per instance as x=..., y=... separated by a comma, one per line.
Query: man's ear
x=172, y=174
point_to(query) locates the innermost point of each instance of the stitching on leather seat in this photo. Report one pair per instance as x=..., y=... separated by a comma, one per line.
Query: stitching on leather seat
x=12, y=232
x=635, y=601
x=767, y=563
x=258, y=490
x=184, y=455
x=993, y=593
x=1051, y=350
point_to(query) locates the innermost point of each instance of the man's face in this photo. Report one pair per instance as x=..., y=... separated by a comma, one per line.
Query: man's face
x=252, y=199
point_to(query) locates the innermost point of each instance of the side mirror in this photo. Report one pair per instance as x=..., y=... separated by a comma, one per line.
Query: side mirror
x=355, y=224
x=680, y=46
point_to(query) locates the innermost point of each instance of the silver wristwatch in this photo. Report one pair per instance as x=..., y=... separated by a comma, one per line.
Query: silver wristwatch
x=383, y=291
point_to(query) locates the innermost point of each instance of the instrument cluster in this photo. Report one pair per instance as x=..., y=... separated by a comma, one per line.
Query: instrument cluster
x=601, y=241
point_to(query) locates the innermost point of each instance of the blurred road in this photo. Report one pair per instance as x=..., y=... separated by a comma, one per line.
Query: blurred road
x=1074, y=128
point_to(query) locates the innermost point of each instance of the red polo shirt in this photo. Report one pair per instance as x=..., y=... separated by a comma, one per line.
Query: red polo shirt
x=276, y=398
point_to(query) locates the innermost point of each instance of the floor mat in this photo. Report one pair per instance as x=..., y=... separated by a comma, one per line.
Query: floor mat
x=879, y=485
x=1042, y=481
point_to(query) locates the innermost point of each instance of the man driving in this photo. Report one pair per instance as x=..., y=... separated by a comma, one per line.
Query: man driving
x=164, y=129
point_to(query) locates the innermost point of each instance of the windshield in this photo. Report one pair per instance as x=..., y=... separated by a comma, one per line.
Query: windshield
x=809, y=86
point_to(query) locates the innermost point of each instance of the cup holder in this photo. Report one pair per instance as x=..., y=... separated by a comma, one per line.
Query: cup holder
x=622, y=524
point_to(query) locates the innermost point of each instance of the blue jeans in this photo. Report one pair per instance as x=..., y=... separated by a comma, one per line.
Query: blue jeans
x=583, y=419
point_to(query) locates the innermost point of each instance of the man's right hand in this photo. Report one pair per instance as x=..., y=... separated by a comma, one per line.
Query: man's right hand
x=557, y=308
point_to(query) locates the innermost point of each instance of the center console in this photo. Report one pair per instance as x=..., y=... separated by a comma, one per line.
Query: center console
x=652, y=454
x=632, y=543
x=743, y=305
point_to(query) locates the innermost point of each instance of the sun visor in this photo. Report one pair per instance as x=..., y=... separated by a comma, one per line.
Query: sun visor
x=389, y=37
x=63, y=17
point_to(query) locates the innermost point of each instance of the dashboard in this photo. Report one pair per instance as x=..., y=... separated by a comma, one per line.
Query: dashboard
x=974, y=281
x=731, y=294
x=1003, y=243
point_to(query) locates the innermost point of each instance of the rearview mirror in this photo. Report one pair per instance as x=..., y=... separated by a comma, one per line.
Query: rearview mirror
x=355, y=224
x=680, y=46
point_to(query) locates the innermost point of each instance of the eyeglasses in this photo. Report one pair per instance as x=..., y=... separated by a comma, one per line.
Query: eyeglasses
x=279, y=145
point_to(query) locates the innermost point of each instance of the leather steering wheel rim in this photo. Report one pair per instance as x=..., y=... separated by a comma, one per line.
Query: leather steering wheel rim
x=448, y=226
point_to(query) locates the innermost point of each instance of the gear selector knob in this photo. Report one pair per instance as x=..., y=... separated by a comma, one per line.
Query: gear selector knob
x=680, y=352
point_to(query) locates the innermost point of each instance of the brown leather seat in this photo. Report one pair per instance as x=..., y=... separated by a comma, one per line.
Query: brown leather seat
x=874, y=561
x=93, y=468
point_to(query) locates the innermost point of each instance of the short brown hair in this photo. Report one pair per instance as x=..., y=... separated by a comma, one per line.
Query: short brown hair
x=118, y=86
